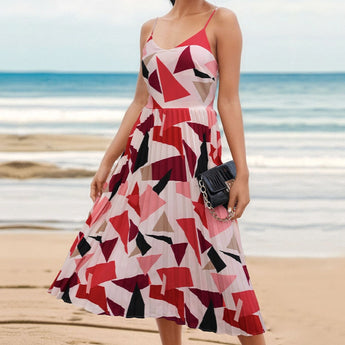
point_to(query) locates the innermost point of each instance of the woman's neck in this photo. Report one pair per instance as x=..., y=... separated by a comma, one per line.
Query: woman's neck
x=188, y=7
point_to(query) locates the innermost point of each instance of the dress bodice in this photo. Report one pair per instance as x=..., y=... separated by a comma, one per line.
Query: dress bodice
x=183, y=76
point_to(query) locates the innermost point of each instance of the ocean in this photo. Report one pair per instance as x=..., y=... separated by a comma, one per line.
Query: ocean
x=295, y=141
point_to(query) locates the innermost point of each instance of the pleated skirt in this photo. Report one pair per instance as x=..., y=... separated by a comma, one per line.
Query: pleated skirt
x=149, y=247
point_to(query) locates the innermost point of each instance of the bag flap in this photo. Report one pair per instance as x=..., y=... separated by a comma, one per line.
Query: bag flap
x=215, y=177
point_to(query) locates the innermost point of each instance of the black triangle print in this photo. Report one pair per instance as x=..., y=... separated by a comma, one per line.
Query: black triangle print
x=83, y=246
x=162, y=182
x=144, y=70
x=115, y=189
x=143, y=246
x=136, y=306
x=200, y=74
x=203, y=158
x=119, y=178
x=216, y=260
x=97, y=238
x=209, y=322
x=65, y=297
x=234, y=256
x=162, y=238
x=143, y=152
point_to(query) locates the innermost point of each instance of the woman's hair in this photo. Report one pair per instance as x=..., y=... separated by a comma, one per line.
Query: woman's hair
x=173, y=2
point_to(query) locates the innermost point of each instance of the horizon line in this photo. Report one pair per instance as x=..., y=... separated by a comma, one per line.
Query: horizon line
x=136, y=72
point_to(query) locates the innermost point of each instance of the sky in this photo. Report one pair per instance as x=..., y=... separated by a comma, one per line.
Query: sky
x=103, y=35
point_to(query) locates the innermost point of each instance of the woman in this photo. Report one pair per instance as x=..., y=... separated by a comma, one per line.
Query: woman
x=149, y=247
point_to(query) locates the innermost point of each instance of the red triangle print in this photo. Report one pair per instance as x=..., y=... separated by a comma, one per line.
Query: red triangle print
x=172, y=89
x=155, y=104
x=204, y=244
x=120, y=224
x=107, y=247
x=185, y=61
x=199, y=39
x=223, y=281
x=147, y=262
x=179, y=250
x=154, y=81
x=188, y=226
x=133, y=199
x=200, y=209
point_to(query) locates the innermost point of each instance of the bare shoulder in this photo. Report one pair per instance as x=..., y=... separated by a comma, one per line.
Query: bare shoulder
x=146, y=27
x=225, y=19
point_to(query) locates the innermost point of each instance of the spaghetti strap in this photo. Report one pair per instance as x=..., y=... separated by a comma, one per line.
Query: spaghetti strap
x=210, y=17
x=153, y=27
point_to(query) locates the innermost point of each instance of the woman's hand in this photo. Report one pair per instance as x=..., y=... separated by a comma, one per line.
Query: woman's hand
x=239, y=196
x=98, y=182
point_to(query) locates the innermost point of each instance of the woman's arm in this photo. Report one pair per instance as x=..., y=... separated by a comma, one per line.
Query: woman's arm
x=118, y=144
x=229, y=47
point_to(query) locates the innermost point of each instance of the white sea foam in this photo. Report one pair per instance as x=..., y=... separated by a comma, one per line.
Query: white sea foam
x=90, y=159
x=60, y=115
x=14, y=102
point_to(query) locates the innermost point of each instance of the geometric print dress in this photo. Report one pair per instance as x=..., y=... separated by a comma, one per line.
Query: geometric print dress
x=149, y=246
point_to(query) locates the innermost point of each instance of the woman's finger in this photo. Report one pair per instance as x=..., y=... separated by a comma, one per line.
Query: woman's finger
x=93, y=194
x=232, y=201
x=93, y=190
x=99, y=187
x=239, y=210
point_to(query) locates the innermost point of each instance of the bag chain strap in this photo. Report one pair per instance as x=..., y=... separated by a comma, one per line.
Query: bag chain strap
x=210, y=207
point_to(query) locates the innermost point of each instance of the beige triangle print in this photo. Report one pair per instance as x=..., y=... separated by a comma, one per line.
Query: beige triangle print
x=102, y=227
x=146, y=173
x=163, y=224
x=233, y=244
x=148, y=58
x=75, y=252
x=203, y=89
x=136, y=251
x=209, y=266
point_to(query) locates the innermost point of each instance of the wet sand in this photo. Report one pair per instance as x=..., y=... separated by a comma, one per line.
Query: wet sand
x=25, y=169
x=52, y=142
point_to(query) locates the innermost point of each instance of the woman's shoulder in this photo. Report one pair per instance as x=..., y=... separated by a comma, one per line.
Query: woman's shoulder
x=147, y=26
x=225, y=16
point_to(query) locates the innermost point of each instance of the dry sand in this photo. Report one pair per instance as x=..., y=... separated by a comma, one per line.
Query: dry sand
x=301, y=300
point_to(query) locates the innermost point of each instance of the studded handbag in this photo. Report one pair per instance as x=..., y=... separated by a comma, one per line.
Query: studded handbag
x=215, y=184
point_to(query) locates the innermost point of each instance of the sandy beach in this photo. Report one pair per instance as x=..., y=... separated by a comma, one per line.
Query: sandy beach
x=300, y=298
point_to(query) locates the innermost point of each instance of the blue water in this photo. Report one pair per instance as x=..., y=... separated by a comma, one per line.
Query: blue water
x=295, y=143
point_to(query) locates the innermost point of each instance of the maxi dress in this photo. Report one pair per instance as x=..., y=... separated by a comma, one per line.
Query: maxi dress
x=149, y=246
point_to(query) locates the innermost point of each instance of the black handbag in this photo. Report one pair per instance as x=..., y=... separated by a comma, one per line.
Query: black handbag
x=215, y=184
